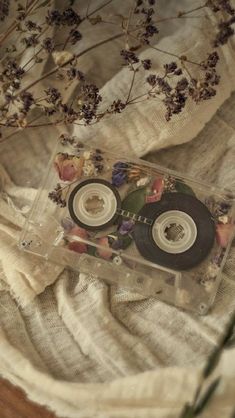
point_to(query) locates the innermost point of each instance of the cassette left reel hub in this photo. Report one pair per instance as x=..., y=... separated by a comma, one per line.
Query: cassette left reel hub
x=93, y=204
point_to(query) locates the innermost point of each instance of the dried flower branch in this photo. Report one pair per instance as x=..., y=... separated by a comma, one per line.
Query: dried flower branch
x=173, y=86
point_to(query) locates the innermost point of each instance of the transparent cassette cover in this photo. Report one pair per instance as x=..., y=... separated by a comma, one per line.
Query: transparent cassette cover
x=132, y=223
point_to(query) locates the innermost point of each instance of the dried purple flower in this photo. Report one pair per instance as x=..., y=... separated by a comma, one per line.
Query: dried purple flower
x=53, y=95
x=129, y=56
x=48, y=44
x=182, y=84
x=54, y=17
x=119, y=174
x=211, y=60
x=150, y=30
x=32, y=26
x=126, y=227
x=91, y=99
x=212, y=78
x=174, y=103
x=178, y=71
x=163, y=85
x=220, y=6
x=4, y=9
x=200, y=91
x=70, y=115
x=73, y=73
x=116, y=244
x=66, y=139
x=171, y=67
x=57, y=196
x=70, y=17
x=147, y=64
x=12, y=70
x=75, y=36
x=224, y=33
x=67, y=18
x=117, y=106
x=31, y=40
x=152, y=80
x=49, y=111
x=27, y=100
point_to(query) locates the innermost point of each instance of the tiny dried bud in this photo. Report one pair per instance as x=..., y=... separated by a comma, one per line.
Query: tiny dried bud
x=129, y=56
x=75, y=36
x=152, y=80
x=48, y=44
x=147, y=64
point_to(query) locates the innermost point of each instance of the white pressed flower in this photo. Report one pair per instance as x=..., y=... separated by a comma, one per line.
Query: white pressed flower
x=61, y=57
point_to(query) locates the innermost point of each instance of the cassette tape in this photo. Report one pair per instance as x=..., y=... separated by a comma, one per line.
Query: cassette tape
x=134, y=224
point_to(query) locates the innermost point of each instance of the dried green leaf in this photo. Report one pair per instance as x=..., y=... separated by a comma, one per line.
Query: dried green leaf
x=206, y=397
x=91, y=250
x=184, y=188
x=212, y=362
x=233, y=414
x=228, y=332
x=231, y=342
x=216, y=354
x=187, y=412
x=135, y=200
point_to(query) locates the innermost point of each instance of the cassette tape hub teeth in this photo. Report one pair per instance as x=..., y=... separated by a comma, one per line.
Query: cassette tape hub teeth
x=174, y=231
x=93, y=204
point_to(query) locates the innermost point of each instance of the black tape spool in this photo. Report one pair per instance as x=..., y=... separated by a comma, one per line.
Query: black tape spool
x=86, y=190
x=201, y=219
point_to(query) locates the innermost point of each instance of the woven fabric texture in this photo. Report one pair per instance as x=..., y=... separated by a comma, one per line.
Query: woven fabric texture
x=73, y=343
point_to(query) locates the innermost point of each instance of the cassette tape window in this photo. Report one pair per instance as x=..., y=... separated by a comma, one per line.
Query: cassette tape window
x=134, y=224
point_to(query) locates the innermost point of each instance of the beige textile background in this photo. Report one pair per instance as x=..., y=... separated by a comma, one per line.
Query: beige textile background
x=77, y=345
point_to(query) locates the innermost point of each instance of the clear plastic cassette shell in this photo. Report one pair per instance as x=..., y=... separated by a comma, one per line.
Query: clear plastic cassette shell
x=133, y=224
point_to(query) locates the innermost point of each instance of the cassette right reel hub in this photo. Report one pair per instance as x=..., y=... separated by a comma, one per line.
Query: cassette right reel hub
x=182, y=232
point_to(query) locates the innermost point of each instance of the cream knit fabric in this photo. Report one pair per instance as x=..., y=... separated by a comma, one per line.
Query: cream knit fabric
x=86, y=349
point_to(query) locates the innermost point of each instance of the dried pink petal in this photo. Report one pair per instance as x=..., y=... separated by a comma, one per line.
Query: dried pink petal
x=224, y=233
x=157, y=190
x=68, y=168
x=78, y=247
x=103, y=252
x=80, y=232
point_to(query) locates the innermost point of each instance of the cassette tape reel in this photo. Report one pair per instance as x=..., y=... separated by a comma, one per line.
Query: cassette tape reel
x=181, y=235
x=134, y=224
x=93, y=204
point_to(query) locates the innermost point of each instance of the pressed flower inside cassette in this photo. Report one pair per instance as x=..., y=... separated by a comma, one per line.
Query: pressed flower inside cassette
x=137, y=225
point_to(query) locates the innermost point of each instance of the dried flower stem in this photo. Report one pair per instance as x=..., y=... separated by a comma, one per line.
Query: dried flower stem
x=13, y=26
x=88, y=15
x=132, y=84
x=55, y=69
x=181, y=15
